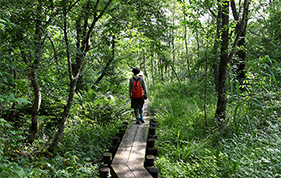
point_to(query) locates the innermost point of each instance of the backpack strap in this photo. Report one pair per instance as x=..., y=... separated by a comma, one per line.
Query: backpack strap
x=136, y=79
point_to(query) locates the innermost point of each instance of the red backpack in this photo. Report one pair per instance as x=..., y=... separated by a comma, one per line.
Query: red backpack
x=137, y=89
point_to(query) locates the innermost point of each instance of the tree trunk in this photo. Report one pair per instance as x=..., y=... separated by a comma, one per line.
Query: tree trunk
x=216, y=44
x=222, y=75
x=173, y=52
x=198, y=54
x=144, y=66
x=72, y=69
x=36, y=106
x=161, y=68
x=173, y=70
x=240, y=63
x=151, y=63
x=65, y=115
x=226, y=55
x=37, y=99
x=104, y=71
x=155, y=66
x=140, y=60
x=33, y=77
x=186, y=46
x=205, y=91
x=240, y=30
x=75, y=68
x=13, y=108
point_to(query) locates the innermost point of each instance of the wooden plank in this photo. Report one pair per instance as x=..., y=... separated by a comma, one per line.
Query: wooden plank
x=125, y=147
x=129, y=159
x=137, y=157
x=122, y=171
x=140, y=172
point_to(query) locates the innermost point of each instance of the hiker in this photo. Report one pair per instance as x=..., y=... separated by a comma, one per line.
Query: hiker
x=137, y=90
x=142, y=76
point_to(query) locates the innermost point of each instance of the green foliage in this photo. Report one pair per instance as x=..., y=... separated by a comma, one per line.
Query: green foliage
x=13, y=98
x=264, y=35
x=78, y=154
x=100, y=108
x=255, y=156
x=249, y=145
x=11, y=146
x=156, y=36
x=88, y=140
x=264, y=74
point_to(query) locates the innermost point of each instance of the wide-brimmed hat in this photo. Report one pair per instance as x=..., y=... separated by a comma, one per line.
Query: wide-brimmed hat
x=141, y=74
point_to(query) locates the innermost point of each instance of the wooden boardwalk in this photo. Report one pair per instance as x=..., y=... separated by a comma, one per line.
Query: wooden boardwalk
x=129, y=159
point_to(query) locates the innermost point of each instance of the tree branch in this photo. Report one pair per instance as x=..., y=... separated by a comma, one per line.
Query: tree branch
x=242, y=26
x=234, y=11
x=104, y=71
x=71, y=6
x=67, y=46
x=212, y=12
x=96, y=18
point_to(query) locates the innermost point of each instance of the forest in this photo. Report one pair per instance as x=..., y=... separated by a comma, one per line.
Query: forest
x=212, y=69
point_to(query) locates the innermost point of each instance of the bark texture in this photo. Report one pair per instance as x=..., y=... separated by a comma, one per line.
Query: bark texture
x=227, y=54
x=217, y=44
x=222, y=74
x=34, y=128
x=239, y=62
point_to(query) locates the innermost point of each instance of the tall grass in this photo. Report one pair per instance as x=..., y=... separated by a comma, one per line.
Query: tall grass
x=248, y=146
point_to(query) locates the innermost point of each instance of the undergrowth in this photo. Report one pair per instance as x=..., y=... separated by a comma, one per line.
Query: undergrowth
x=248, y=146
x=86, y=137
x=78, y=154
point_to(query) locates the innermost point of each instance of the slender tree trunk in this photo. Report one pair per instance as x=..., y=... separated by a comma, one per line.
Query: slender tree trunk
x=186, y=45
x=65, y=116
x=13, y=108
x=173, y=53
x=72, y=86
x=240, y=29
x=198, y=54
x=36, y=106
x=240, y=73
x=166, y=72
x=75, y=68
x=161, y=68
x=205, y=94
x=222, y=77
x=140, y=60
x=104, y=71
x=175, y=73
x=34, y=79
x=155, y=66
x=216, y=44
x=144, y=64
x=226, y=55
x=152, y=67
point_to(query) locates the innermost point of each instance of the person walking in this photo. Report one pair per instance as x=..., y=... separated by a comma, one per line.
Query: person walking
x=137, y=91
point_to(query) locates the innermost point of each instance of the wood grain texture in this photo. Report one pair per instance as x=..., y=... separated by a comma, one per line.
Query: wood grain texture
x=129, y=159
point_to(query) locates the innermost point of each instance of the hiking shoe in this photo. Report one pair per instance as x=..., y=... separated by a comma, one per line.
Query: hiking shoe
x=142, y=121
x=138, y=122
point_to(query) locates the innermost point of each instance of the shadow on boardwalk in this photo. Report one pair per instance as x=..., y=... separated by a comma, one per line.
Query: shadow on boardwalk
x=129, y=159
